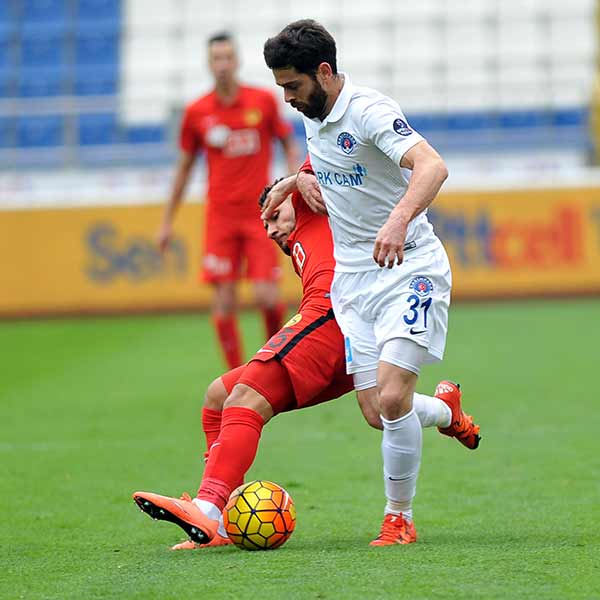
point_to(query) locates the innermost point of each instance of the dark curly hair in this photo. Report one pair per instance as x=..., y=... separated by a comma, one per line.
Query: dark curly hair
x=303, y=45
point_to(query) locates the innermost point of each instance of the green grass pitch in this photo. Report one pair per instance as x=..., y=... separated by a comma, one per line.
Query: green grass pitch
x=93, y=410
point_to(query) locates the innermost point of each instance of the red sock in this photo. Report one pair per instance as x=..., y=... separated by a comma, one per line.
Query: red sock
x=273, y=318
x=229, y=338
x=211, y=425
x=231, y=455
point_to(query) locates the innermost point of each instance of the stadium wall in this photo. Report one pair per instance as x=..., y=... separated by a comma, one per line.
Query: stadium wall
x=502, y=244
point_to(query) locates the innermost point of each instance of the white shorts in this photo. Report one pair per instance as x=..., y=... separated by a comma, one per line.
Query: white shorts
x=408, y=301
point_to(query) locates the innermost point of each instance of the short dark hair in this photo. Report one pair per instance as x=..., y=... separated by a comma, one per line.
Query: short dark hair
x=221, y=36
x=303, y=45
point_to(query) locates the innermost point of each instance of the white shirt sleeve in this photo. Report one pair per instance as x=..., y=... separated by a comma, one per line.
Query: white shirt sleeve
x=384, y=124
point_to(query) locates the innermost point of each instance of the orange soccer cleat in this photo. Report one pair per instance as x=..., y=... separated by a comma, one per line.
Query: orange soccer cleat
x=182, y=512
x=395, y=530
x=218, y=540
x=461, y=427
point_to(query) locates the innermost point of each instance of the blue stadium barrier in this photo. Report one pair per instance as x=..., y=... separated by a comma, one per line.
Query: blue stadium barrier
x=6, y=132
x=7, y=82
x=49, y=11
x=40, y=131
x=97, y=44
x=98, y=81
x=42, y=82
x=43, y=45
x=98, y=129
x=94, y=10
x=146, y=134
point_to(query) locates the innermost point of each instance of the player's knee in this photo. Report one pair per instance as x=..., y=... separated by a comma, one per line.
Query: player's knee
x=394, y=402
x=216, y=395
x=244, y=396
x=266, y=294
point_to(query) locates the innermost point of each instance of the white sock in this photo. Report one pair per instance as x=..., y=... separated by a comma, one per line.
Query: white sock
x=431, y=411
x=401, y=450
x=221, y=529
x=208, y=508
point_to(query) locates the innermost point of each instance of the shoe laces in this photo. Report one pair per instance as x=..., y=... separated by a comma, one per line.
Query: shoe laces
x=392, y=528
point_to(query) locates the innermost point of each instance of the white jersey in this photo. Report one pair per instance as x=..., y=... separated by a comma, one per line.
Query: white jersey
x=355, y=154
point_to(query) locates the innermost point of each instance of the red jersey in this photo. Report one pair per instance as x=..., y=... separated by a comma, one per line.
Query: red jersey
x=237, y=139
x=311, y=247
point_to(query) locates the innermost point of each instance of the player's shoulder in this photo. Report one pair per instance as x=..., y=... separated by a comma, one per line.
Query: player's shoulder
x=202, y=103
x=364, y=97
x=257, y=92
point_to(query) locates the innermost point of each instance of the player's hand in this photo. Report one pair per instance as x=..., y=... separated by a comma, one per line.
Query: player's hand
x=311, y=192
x=389, y=244
x=279, y=192
x=164, y=236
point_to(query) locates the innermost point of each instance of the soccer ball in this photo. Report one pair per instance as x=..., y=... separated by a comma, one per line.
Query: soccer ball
x=260, y=515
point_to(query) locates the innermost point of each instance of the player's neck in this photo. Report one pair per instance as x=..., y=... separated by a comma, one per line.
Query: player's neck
x=332, y=96
x=227, y=91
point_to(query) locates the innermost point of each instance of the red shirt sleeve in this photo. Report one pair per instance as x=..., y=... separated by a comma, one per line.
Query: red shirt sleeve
x=280, y=127
x=306, y=166
x=189, y=138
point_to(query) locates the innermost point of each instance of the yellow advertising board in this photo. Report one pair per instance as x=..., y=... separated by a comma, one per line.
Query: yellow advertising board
x=501, y=244
x=521, y=243
x=104, y=260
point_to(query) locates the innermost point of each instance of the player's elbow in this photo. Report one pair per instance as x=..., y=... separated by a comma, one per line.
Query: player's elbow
x=440, y=169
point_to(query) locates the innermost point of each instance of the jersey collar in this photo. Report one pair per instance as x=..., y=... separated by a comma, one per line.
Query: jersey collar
x=342, y=102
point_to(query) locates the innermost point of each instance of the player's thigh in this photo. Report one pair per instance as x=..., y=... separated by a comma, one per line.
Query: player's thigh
x=261, y=255
x=349, y=293
x=412, y=302
x=271, y=381
x=221, y=255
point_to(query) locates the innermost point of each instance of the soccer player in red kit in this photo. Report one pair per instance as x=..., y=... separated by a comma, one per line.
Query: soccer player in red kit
x=235, y=126
x=302, y=365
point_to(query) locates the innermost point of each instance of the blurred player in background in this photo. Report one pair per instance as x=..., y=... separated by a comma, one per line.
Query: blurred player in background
x=235, y=125
x=302, y=365
x=394, y=318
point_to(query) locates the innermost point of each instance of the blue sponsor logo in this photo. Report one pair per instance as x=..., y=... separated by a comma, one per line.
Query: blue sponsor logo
x=422, y=286
x=401, y=127
x=353, y=179
x=346, y=142
x=136, y=258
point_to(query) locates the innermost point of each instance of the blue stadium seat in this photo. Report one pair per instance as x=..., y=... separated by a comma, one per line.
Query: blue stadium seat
x=48, y=11
x=7, y=82
x=98, y=129
x=7, y=132
x=520, y=119
x=146, y=134
x=43, y=45
x=98, y=81
x=97, y=44
x=40, y=131
x=94, y=10
x=469, y=121
x=570, y=117
x=8, y=45
x=39, y=82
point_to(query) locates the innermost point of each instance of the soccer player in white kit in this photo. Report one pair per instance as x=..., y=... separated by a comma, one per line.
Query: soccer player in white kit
x=391, y=288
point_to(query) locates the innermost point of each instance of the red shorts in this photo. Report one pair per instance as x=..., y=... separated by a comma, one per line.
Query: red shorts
x=237, y=246
x=300, y=366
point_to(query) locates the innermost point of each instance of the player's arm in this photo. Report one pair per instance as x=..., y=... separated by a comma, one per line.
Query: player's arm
x=428, y=174
x=307, y=185
x=384, y=124
x=182, y=175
